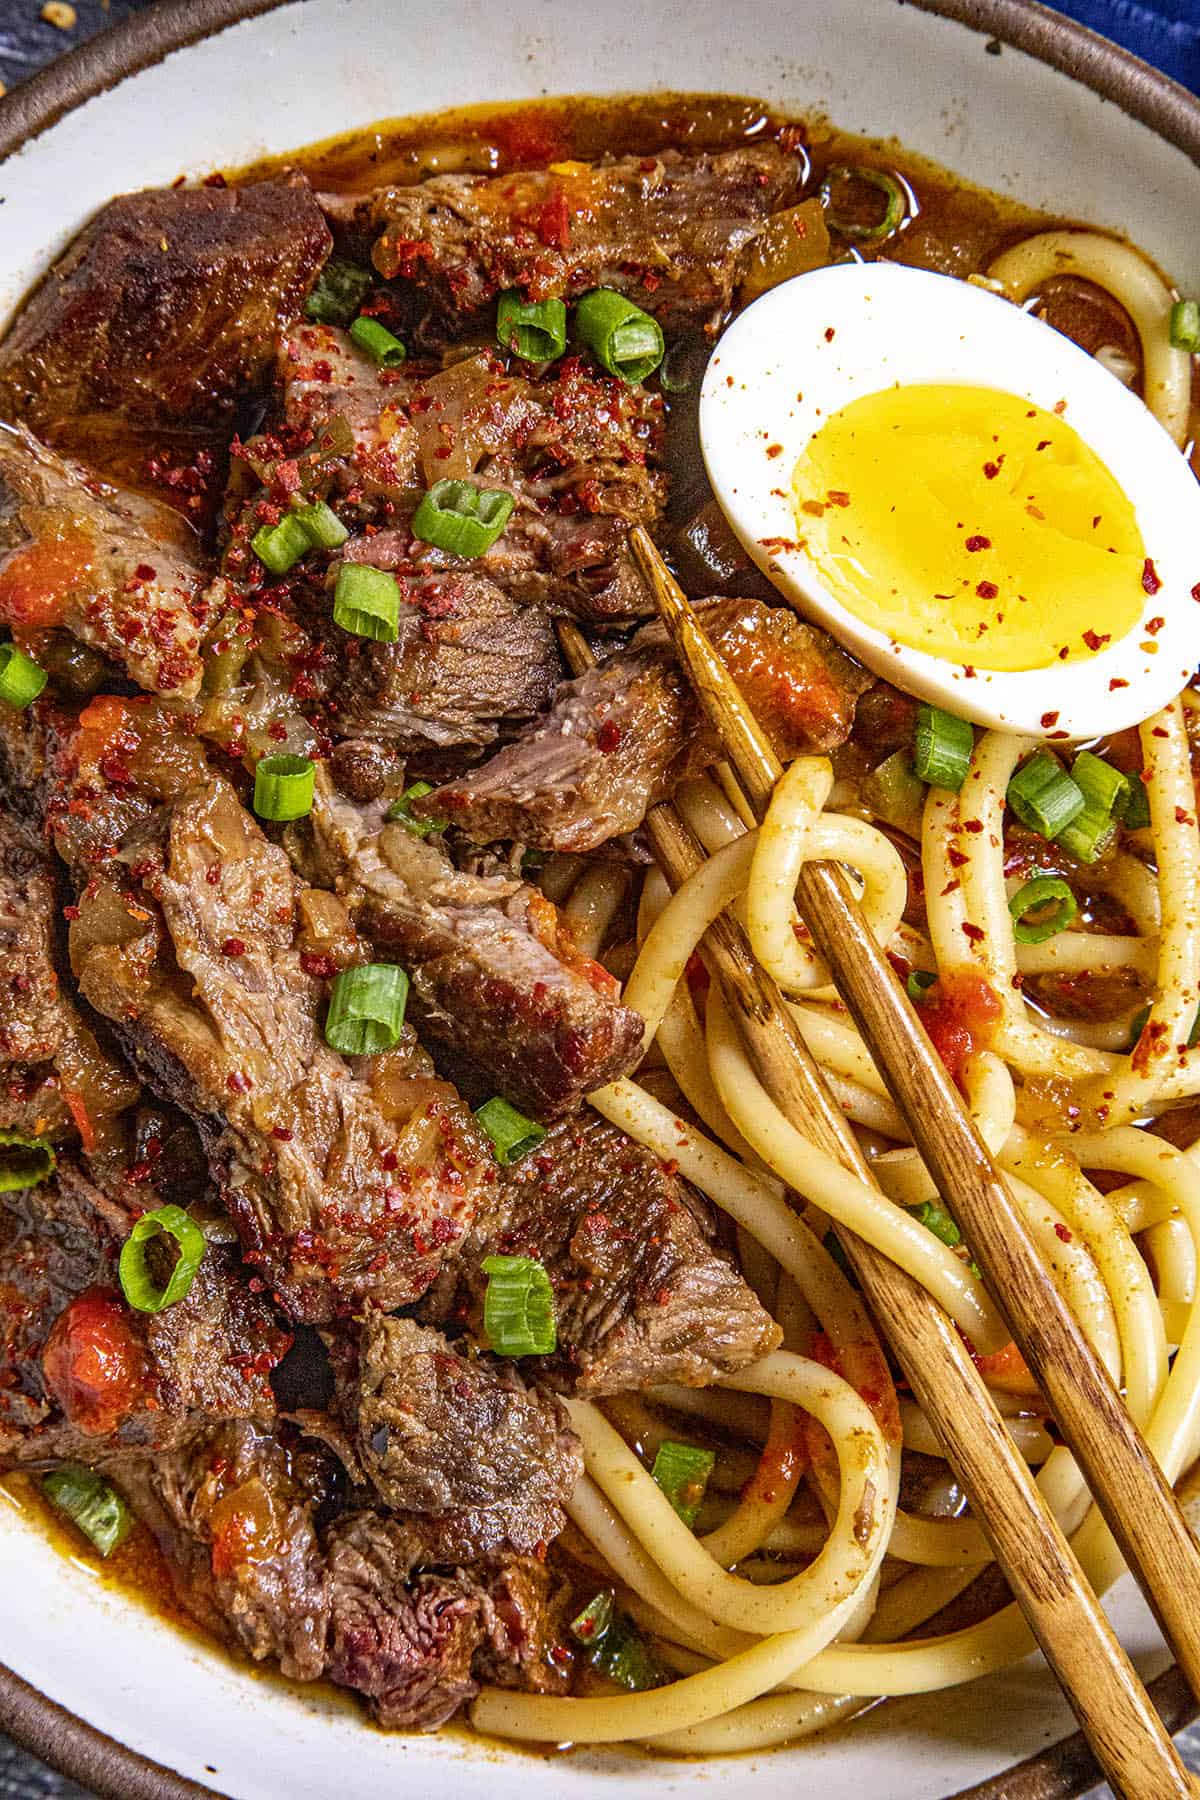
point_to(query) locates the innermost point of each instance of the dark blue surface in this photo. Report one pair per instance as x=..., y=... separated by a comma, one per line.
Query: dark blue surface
x=1166, y=34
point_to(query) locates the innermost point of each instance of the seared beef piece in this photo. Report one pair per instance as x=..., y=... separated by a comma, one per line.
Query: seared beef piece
x=496, y=978
x=116, y=571
x=345, y=1185
x=232, y=1511
x=165, y=311
x=408, y=1643
x=619, y=738
x=642, y=1295
x=669, y=230
x=467, y=657
x=84, y=1376
x=482, y=1460
x=578, y=450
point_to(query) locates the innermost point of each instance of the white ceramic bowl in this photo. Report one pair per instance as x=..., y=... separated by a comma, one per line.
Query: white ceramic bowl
x=278, y=77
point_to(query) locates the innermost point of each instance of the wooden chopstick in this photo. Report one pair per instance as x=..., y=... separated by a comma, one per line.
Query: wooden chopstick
x=1112, y=1706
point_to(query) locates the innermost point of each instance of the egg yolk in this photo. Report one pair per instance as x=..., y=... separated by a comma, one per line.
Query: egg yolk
x=965, y=522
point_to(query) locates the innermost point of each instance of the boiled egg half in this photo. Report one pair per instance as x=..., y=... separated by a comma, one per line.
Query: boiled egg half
x=964, y=497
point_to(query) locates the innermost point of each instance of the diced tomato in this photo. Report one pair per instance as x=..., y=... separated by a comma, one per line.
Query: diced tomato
x=960, y=1016
x=93, y=1363
x=245, y=1527
x=1007, y=1370
x=36, y=580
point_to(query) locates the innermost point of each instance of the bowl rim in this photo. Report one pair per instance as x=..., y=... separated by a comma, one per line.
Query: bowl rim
x=100, y=1763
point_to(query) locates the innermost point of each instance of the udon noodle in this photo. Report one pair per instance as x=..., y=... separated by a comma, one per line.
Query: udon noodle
x=831, y=1572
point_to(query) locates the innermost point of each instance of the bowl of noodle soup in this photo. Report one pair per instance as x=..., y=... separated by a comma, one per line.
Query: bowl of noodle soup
x=804, y=1593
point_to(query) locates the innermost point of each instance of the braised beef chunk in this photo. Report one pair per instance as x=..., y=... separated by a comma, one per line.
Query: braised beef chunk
x=82, y=1374
x=343, y=1184
x=408, y=1643
x=460, y=1442
x=165, y=311
x=642, y=1295
x=668, y=230
x=579, y=451
x=496, y=978
x=466, y=659
x=621, y=737
x=115, y=571
x=55, y=1079
x=233, y=1512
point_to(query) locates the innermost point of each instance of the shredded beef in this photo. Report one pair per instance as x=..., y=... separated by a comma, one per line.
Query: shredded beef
x=621, y=737
x=496, y=978
x=641, y=1293
x=461, y=1442
x=668, y=230
x=116, y=571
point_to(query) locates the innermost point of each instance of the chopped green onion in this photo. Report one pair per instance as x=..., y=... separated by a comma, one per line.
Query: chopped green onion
x=1185, y=325
x=133, y=1270
x=896, y=204
x=1105, y=790
x=281, y=546
x=21, y=679
x=366, y=602
x=91, y=1504
x=340, y=290
x=918, y=984
x=283, y=787
x=535, y=330
x=518, y=1307
x=1031, y=898
x=627, y=1659
x=321, y=525
x=1135, y=815
x=513, y=1135
x=380, y=344
x=895, y=795
x=936, y=1219
x=624, y=340
x=461, y=518
x=682, y=1472
x=591, y=1625
x=942, y=747
x=398, y=812
x=1043, y=796
x=24, y=1161
x=366, y=1009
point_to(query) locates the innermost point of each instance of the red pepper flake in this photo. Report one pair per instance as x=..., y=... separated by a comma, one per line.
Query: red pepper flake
x=70, y=912
x=1095, y=640
x=554, y=221
x=1196, y=591
x=829, y=334
x=1049, y=719
x=313, y=963
x=977, y=541
x=1061, y=1233
x=1182, y=816
x=1115, y=683
x=774, y=450
x=1150, y=580
x=992, y=469
x=973, y=933
x=838, y=497
x=987, y=590
x=608, y=737
x=233, y=947
x=281, y=1134
x=237, y=1083
x=1154, y=626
